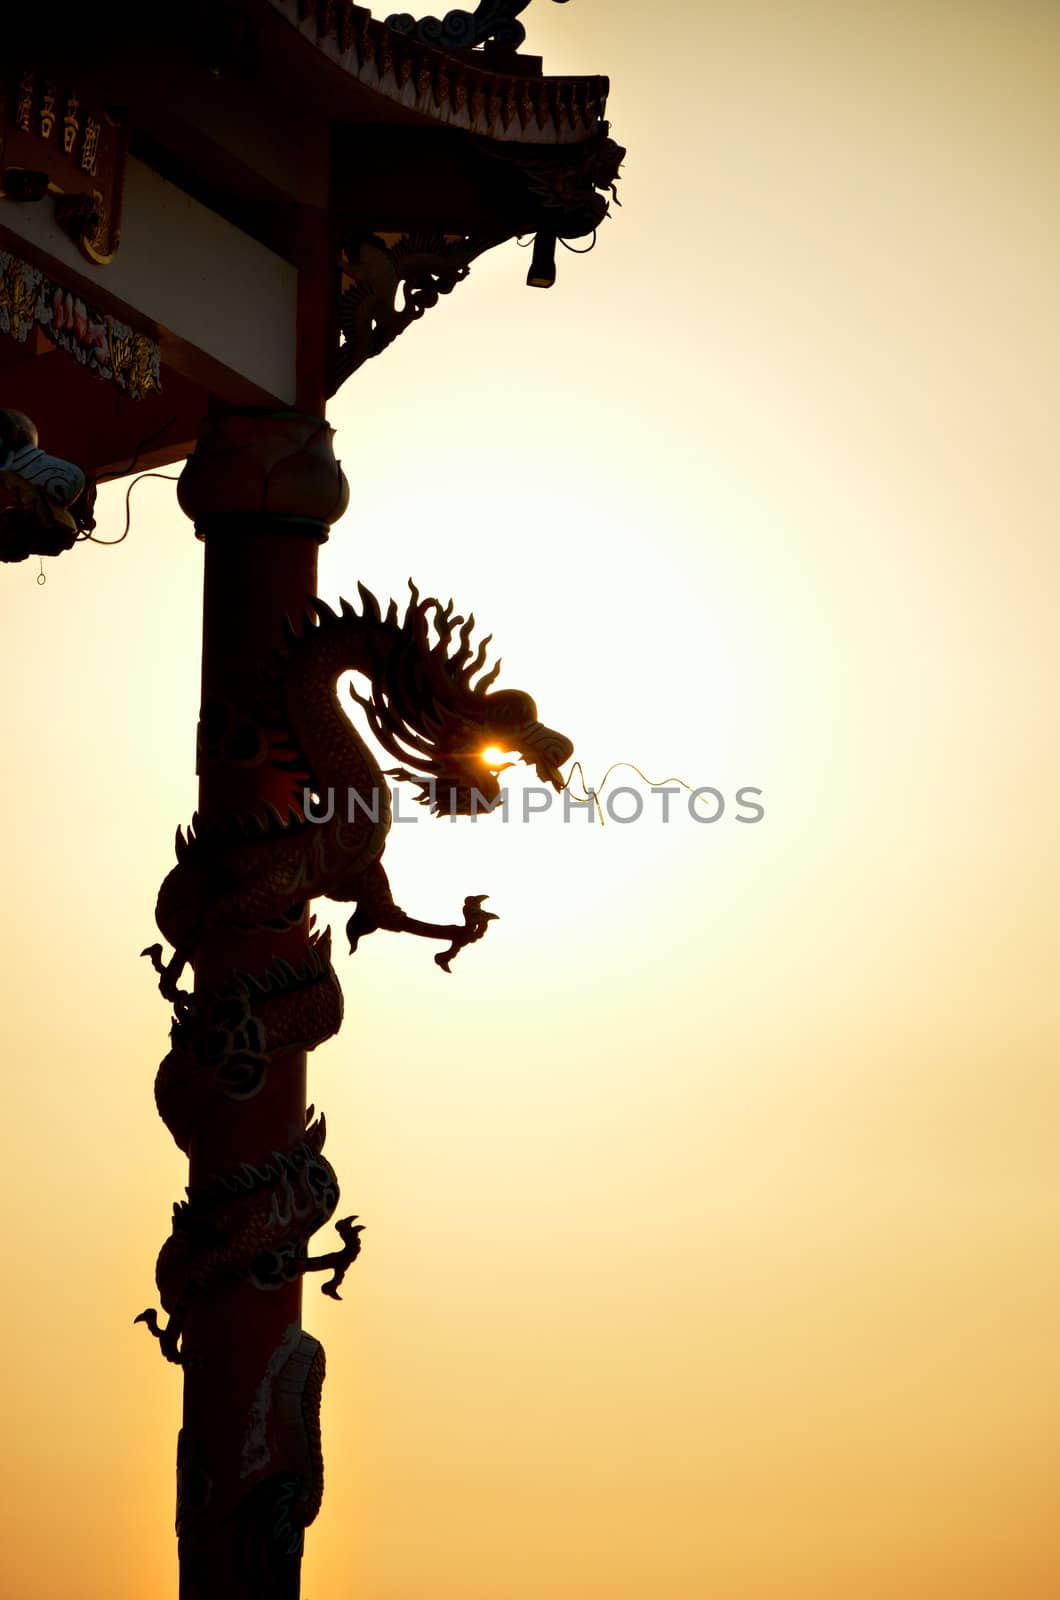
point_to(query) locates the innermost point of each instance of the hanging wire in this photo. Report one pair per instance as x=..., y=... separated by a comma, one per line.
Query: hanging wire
x=588, y=794
x=584, y=252
x=169, y=477
x=41, y=578
x=524, y=244
x=86, y=536
x=151, y=438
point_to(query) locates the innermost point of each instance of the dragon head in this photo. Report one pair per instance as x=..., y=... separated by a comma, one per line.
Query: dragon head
x=452, y=733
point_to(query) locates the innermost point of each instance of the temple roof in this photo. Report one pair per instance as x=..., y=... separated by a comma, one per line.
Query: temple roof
x=457, y=88
x=202, y=201
x=225, y=98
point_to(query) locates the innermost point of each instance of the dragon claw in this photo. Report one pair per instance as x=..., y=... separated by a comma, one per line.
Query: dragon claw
x=340, y=1261
x=476, y=921
x=168, y=973
x=475, y=918
x=168, y=1337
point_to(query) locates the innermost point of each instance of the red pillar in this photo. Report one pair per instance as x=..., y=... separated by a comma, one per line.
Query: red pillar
x=262, y=490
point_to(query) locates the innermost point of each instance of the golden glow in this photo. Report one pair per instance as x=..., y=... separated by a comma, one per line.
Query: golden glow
x=493, y=756
x=712, y=1203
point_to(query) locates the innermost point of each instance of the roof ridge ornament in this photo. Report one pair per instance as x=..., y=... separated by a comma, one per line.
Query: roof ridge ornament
x=462, y=30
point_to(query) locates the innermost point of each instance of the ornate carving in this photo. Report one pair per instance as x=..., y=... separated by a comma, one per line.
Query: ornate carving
x=282, y=1460
x=568, y=186
x=31, y=524
x=277, y=465
x=224, y=1043
x=374, y=273
x=427, y=706
x=60, y=480
x=297, y=1407
x=462, y=30
x=103, y=344
x=279, y=1507
x=256, y=1224
x=36, y=492
x=389, y=282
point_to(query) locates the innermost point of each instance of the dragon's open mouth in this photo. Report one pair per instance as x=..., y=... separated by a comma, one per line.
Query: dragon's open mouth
x=550, y=774
x=493, y=756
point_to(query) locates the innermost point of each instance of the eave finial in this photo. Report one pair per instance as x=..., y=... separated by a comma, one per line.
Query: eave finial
x=493, y=20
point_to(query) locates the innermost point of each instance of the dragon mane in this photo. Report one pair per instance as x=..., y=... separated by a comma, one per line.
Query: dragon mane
x=429, y=702
x=425, y=699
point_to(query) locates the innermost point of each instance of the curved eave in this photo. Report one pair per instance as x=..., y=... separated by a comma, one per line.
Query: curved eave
x=389, y=76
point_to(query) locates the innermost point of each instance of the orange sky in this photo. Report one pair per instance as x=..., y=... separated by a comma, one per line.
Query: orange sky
x=712, y=1203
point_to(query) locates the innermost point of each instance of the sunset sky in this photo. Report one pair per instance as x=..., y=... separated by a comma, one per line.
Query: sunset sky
x=712, y=1204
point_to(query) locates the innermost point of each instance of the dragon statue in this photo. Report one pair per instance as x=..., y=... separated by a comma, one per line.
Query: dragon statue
x=426, y=708
x=430, y=704
x=38, y=513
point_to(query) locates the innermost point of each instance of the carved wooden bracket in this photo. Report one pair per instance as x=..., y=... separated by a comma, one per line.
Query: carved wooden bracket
x=389, y=281
x=104, y=345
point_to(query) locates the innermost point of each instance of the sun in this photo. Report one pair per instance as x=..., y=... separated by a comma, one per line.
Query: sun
x=492, y=755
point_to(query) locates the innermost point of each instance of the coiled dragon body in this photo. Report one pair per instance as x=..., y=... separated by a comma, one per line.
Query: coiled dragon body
x=430, y=704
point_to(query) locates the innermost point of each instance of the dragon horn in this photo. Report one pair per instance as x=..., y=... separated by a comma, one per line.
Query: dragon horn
x=480, y=658
x=484, y=682
x=370, y=604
